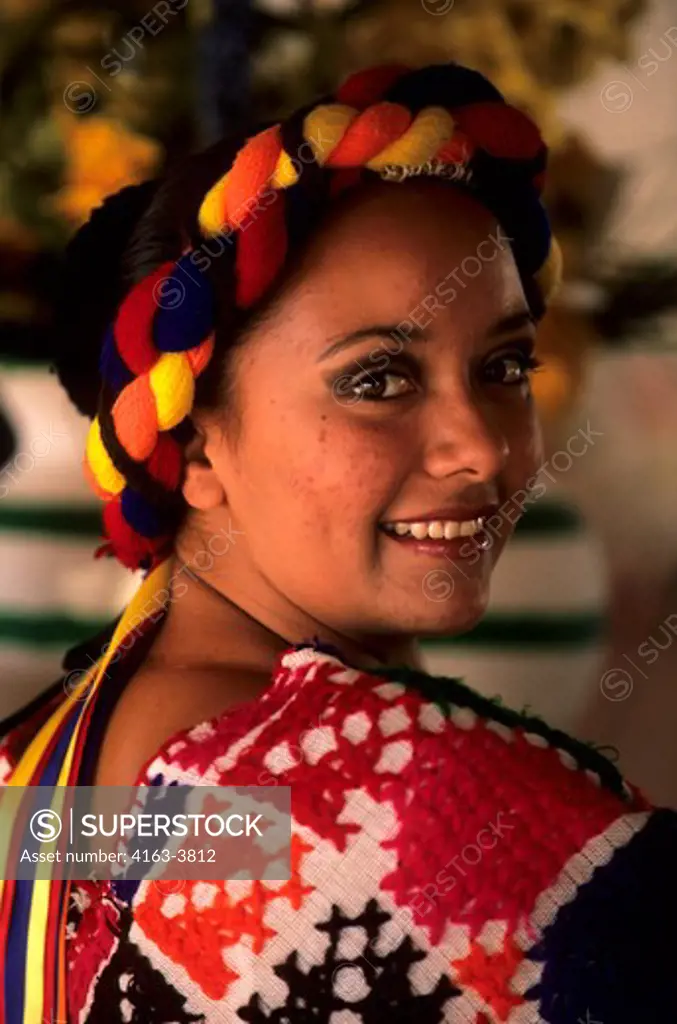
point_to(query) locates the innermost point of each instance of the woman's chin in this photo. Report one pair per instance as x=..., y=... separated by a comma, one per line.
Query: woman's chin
x=459, y=613
x=454, y=626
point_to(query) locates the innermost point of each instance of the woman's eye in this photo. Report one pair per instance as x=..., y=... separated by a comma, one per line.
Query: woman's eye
x=372, y=386
x=511, y=368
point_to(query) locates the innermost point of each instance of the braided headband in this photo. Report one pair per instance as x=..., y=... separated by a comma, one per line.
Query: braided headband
x=443, y=120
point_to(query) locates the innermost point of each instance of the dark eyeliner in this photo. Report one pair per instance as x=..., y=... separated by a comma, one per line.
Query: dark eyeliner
x=522, y=351
x=359, y=371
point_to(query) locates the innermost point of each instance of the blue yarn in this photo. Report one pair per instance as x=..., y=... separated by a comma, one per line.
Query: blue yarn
x=111, y=366
x=185, y=309
x=609, y=954
x=540, y=238
x=140, y=514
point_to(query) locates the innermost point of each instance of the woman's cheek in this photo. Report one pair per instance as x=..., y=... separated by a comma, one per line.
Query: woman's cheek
x=525, y=440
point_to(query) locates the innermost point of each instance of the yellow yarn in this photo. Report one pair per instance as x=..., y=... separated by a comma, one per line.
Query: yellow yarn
x=325, y=126
x=427, y=133
x=212, y=214
x=105, y=473
x=285, y=174
x=173, y=385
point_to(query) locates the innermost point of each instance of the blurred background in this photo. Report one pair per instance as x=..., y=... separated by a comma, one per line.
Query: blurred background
x=583, y=619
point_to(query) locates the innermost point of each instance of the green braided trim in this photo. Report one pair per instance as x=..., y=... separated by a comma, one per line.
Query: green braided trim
x=449, y=693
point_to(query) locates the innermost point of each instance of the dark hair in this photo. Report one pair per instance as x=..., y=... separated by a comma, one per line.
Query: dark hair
x=132, y=233
x=128, y=236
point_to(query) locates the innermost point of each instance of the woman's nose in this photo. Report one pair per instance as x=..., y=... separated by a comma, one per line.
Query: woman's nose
x=463, y=441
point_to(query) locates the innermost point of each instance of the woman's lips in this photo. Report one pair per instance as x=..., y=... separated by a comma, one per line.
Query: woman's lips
x=470, y=547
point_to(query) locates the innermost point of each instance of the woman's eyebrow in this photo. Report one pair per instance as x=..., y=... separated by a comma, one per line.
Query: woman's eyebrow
x=392, y=331
x=512, y=322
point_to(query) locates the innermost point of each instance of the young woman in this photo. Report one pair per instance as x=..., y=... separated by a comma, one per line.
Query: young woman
x=313, y=431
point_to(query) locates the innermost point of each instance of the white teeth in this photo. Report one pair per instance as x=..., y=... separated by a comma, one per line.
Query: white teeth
x=437, y=529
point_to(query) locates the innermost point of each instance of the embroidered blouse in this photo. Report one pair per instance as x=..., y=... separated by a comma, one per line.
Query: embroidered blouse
x=451, y=860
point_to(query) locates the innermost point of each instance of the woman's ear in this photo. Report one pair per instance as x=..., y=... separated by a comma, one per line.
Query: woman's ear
x=202, y=487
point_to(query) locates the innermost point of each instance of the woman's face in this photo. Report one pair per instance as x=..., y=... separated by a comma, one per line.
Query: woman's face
x=388, y=387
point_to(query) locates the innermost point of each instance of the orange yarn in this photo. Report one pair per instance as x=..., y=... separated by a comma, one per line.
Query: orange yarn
x=199, y=357
x=251, y=171
x=135, y=419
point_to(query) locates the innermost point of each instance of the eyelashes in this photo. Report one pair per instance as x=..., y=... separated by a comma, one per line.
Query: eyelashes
x=523, y=363
x=373, y=387
x=510, y=368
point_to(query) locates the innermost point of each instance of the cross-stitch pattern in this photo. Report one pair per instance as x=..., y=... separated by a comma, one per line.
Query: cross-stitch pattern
x=451, y=861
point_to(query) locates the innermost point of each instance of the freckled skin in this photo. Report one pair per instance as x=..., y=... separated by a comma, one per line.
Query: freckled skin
x=309, y=476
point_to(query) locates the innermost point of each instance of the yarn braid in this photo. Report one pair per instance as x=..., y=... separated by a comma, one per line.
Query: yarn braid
x=390, y=122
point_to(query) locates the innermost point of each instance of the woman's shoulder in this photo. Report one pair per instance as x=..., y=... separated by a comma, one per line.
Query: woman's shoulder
x=222, y=707
x=319, y=715
x=497, y=856
x=158, y=705
x=414, y=766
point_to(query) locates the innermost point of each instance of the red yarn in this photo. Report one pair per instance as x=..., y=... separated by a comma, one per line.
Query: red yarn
x=499, y=129
x=458, y=150
x=165, y=464
x=261, y=250
x=344, y=178
x=105, y=551
x=134, y=323
x=363, y=88
x=130, y=547
x=370, y=133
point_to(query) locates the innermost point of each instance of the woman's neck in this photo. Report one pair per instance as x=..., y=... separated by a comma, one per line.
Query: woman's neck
x=212, y=622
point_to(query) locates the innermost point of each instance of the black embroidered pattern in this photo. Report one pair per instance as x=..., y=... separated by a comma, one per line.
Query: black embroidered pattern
x=150, y=999
x=313, y=998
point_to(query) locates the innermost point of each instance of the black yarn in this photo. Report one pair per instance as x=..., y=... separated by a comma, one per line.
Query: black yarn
x=504, y=186
x=446, y=85
x=135, y=473
x=307, y=200
x=90, y=288
x=502, y=177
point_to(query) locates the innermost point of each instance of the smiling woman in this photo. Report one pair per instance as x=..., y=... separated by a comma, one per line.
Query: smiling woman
x=344, y=394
